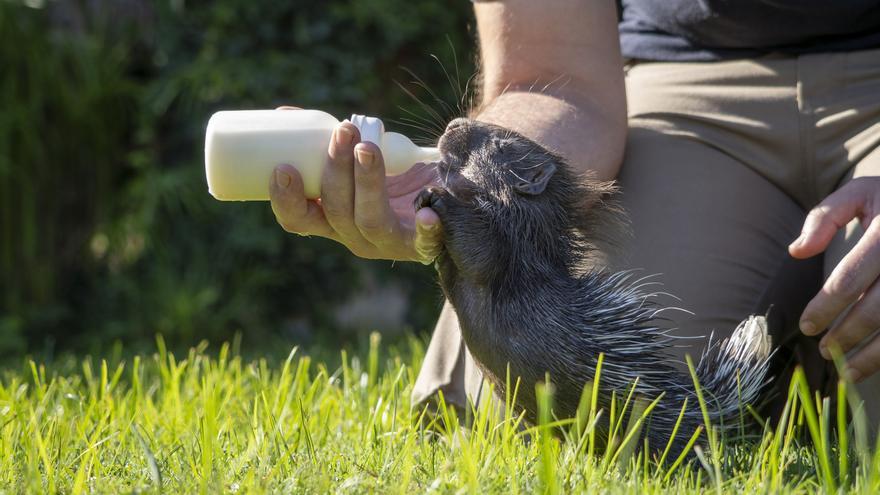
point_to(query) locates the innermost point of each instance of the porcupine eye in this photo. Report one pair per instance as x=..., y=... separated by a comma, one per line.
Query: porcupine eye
x=497, y=145
x=498, y=155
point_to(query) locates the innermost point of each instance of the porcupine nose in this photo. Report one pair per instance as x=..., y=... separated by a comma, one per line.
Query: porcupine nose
x=455, y=139
x=456, y=123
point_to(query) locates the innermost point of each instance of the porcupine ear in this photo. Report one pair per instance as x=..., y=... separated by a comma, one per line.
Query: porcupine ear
x=533, y=180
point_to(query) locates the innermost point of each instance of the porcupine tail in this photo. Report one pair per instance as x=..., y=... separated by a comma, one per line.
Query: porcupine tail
x=733, y=372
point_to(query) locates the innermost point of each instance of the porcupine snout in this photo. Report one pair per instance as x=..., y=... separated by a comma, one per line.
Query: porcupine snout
x=457, y=140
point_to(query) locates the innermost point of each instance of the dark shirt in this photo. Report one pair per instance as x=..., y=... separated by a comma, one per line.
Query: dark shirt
x=693, y=30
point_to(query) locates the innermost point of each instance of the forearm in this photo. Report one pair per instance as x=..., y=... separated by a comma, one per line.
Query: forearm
x=553, y=72
x=587, y=134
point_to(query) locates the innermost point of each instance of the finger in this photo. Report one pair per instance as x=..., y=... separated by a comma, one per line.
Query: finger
x=850, y=279
x=827, y=218
x=292, y=210
x=864, y=363
x=372, y=212
x=337, y=184
x=429, y=235
x=860, y=322
x=412, y=180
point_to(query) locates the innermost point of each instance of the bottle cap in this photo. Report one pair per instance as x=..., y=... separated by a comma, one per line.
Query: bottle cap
x=371, y=128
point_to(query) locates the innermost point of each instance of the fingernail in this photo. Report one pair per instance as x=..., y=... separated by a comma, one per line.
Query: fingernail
x=365, y=157
x=344, y=136
x=808, y=328
x=282, y=179
x=853, y=375
x=429, y=226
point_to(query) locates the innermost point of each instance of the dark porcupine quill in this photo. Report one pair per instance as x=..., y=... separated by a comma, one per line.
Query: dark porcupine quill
x=521, y=268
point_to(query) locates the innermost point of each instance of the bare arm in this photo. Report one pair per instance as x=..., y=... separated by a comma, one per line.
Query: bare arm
x=552, y=70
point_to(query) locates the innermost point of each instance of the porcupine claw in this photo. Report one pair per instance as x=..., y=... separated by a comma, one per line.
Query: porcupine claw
x=430, y=197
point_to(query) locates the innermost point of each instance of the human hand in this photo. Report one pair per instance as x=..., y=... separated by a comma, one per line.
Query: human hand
x=360, y=207
x=854, y=280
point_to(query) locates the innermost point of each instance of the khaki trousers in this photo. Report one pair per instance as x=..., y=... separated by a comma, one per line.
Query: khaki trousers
x=723, y=162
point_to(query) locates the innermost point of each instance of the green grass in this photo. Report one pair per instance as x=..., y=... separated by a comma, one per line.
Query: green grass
x=215, y=423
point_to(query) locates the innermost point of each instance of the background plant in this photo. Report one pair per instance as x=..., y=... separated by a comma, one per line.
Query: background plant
x=106, y=229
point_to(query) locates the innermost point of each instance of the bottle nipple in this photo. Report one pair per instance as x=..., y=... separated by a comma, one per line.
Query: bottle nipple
x=399, y=152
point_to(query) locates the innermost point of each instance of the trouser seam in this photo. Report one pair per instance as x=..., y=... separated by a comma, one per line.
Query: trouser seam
x=805, y=117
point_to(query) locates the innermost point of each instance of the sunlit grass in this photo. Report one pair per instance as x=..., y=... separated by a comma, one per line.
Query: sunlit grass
x=210, y=423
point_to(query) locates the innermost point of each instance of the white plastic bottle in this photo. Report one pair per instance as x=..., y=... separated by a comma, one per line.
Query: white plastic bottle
x=242, y=148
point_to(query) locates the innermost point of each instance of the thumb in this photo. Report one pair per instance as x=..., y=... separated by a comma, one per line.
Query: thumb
x=429, y=235
x=823, y=221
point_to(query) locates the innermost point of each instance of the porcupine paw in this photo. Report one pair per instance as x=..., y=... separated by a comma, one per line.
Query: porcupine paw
x=431, y=197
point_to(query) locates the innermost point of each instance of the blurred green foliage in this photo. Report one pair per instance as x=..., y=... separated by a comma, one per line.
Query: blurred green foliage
x=106, y=228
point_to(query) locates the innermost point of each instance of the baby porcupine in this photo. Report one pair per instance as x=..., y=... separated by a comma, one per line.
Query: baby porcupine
x=518, y=266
